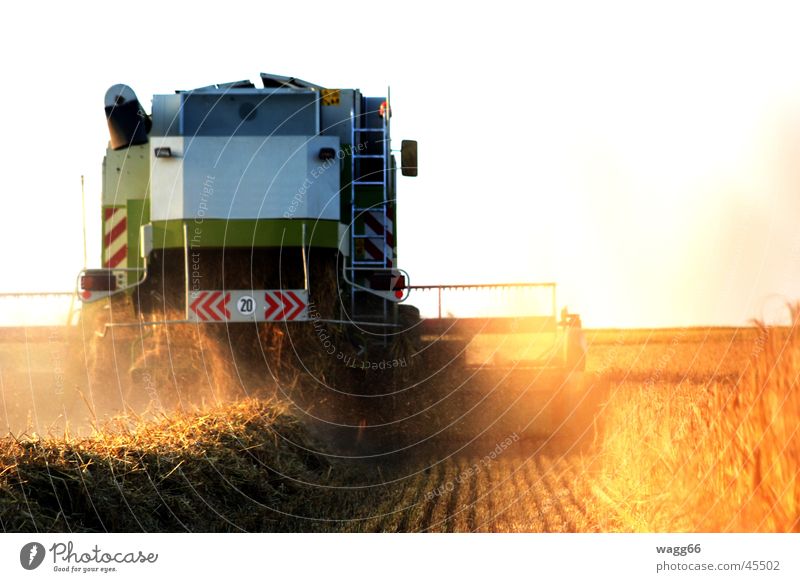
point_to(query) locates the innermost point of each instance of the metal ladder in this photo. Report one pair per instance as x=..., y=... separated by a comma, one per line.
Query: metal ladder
x=359, y=237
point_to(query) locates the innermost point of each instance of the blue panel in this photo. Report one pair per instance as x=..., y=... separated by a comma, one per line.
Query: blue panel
x=336, y=118
x=250, y=113
x=166, y=115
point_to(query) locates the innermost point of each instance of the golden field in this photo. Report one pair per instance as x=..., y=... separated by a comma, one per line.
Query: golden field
x=699, y=431
x=675, y=430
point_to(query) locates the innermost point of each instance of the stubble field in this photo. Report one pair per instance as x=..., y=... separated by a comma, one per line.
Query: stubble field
x=673, y=430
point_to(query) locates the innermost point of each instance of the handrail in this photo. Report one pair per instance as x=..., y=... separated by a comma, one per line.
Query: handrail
x=467, y=287
x=479, y=285
x=72, y=295
x=36, y=294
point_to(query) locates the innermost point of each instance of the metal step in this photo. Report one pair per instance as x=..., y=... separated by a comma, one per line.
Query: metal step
x=378, y=207
x=360, y=177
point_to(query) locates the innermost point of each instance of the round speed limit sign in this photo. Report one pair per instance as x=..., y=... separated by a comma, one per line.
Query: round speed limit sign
x=246, y=305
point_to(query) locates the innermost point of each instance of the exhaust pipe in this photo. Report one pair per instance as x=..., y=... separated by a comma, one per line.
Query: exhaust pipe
x=128, y=123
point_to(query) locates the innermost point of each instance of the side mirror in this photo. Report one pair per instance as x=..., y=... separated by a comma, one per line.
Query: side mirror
x=408, y=157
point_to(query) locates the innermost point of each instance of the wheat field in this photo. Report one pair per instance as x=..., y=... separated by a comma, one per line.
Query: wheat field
x=699, y=431
x=678, y=430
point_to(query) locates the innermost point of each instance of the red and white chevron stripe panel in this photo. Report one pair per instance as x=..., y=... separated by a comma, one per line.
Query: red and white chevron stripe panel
x=115, y=237
x=248, y=305
x=286, y=305
x=383, y=242
x=209, y=306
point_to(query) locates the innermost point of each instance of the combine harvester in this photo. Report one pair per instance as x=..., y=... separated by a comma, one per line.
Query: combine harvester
x=265, y=218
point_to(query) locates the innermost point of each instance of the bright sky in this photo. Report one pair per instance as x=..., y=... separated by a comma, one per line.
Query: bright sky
x=644, y=158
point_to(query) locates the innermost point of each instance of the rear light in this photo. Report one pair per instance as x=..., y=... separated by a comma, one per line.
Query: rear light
x=387, y=282
x=98, y=280
x=327, y=153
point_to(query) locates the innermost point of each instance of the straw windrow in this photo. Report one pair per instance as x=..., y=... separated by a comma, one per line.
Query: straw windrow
x=222, y=470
